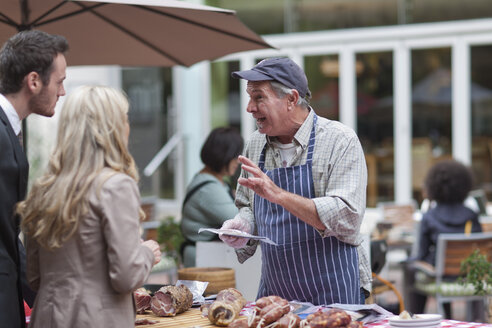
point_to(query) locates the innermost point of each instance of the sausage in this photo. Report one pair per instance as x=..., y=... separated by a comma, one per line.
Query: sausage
x=266, y=300
x=290, y=320
x=239, y=323
x=274, y=311
x=226, y=307
x=329, y=319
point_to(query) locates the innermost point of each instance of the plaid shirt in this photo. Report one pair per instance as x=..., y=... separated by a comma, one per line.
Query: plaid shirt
x=339, y=177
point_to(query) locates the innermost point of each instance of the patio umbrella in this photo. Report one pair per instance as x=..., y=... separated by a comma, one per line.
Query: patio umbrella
x=133, y=32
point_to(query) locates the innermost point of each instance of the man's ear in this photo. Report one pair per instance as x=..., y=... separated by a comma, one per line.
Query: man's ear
x=293, y=97
x=33, y=82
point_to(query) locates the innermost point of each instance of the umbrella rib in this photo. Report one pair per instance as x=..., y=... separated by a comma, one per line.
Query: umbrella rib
x=133, y=35
x=203, y=25
x=7, y=20
x=37, y=22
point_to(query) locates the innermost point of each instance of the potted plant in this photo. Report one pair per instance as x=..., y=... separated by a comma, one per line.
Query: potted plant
x=477, y=271
x=170, y=238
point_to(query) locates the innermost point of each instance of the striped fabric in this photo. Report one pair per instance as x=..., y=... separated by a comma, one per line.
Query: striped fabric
x=304, y=266
x=339, y=181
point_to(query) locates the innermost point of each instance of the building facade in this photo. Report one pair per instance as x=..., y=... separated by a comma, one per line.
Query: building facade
x=414, y=93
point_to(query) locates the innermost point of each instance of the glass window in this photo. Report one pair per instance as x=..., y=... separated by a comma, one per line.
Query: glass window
x=431, y=112
x=226, y=107
x=481, y=119
x=285, y=16
x=322, y=74
x=375, y=122
x=151, y=125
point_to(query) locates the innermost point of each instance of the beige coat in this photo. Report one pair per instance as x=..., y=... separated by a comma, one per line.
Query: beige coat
x=88, y=282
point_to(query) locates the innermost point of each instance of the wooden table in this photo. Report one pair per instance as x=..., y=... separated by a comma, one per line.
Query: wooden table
x=191, y=318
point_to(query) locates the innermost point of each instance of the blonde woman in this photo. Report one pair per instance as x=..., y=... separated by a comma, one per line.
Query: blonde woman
x=81, y=219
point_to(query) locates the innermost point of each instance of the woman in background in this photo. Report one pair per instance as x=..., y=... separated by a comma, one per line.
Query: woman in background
x=209, y=200
x=81, y=219
x=447, y=185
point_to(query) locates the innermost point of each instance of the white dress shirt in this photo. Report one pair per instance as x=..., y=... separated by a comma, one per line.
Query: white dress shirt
x=12, y=115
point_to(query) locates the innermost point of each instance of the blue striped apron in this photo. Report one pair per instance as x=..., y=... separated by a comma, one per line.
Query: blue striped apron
x=304, y=266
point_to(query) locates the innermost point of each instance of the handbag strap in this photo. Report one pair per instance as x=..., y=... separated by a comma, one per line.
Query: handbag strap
x=192, y=191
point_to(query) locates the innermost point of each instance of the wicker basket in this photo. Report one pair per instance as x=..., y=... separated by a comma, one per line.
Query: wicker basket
x=218, y=278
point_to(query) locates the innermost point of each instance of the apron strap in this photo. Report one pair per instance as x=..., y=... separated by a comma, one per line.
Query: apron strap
x=312, y=137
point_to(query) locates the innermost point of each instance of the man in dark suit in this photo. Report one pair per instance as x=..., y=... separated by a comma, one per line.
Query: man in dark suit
x=32, y=70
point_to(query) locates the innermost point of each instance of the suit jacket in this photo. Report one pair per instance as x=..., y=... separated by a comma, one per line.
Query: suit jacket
x=89, y=281
x=14, y=170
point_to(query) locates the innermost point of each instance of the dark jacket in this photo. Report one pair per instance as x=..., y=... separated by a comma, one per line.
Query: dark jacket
x=14, y=170
x=444, y=218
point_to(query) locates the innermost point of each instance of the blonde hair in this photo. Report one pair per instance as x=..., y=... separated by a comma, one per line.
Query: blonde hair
x=91, y=136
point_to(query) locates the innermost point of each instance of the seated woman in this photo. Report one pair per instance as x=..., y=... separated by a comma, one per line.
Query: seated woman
x=447, y=184
x=209, y=200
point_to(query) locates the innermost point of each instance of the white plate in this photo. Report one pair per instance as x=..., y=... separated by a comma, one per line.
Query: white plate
x=420, y=320
x=417, y=325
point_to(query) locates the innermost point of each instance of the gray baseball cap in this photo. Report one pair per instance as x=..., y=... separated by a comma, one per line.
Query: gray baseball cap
x=282, y=69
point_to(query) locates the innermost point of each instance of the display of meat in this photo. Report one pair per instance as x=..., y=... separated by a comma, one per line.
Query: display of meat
x=204, y=309
x=290, y=320
x=274, y=312
x=171, y=300
x=241, y=322
x=332, y=318
x=226, y=307
x=271, y=311
x=142, y=300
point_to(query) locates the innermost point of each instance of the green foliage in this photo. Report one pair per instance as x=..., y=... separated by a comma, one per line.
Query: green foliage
x=169, y=236
x=477, y=270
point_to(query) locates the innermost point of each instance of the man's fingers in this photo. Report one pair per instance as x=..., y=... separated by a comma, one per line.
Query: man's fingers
x=246, y=161
x=250, y=182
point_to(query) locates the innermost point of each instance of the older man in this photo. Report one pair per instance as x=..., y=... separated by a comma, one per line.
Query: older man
x=303, y=185
x=32, y=70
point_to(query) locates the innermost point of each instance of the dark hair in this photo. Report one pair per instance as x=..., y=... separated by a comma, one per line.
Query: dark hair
x=448, y=182
x=222, y=146
x=26, y=52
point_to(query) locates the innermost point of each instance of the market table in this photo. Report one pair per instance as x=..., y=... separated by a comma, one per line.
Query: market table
x=188, y=319
x=193, y=318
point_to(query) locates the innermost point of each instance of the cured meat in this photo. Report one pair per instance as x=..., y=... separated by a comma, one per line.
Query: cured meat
x=226, y=307
x=333, y=318
x=171, y=300
x=239, y=323
x=229, y=295
x=267, y=300
x=274, y=311
x=290, y=320
x=145, y=321
x=204, y=309
x=142, y=300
